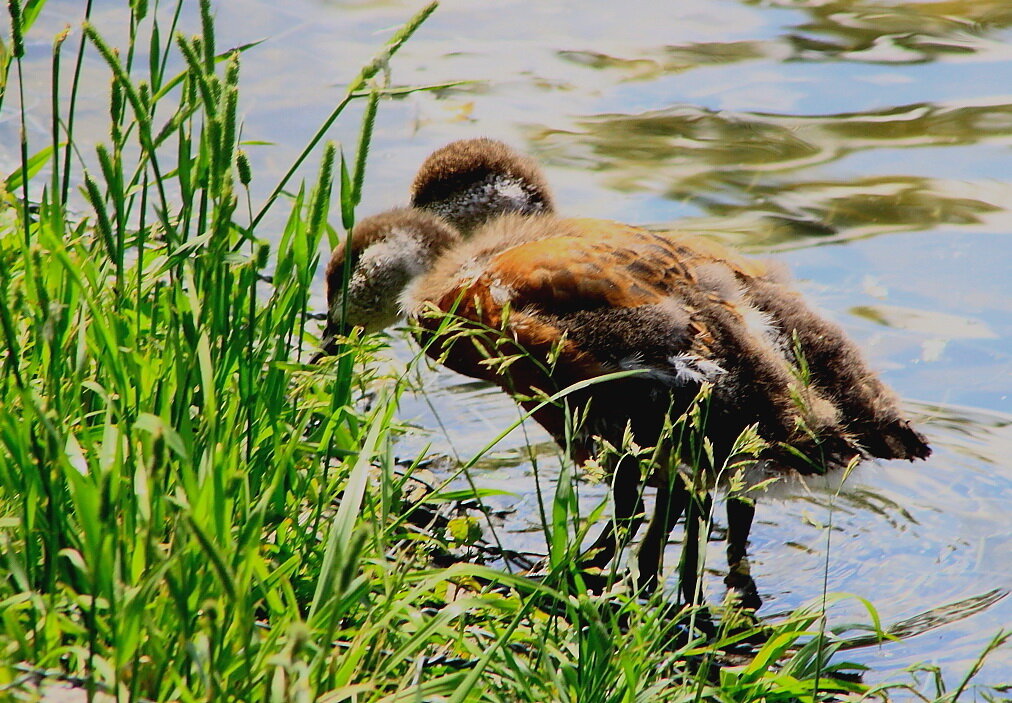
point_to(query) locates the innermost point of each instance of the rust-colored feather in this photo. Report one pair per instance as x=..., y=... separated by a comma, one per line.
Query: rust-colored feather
x=573, y=301
x=546, y=303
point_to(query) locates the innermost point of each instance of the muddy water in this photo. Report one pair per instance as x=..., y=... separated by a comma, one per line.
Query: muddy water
x=866, y=144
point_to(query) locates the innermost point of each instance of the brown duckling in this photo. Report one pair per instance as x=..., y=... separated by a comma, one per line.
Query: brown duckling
x=472, y=181
x=538, y=304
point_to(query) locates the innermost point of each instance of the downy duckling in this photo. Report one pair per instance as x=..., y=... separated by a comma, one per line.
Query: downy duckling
x=538, y=304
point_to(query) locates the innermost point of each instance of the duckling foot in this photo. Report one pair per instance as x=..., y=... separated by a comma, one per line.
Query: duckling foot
x=741, y=589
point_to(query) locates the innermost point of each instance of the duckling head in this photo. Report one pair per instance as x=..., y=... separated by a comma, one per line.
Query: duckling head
x=471, y=181
x=386, y=252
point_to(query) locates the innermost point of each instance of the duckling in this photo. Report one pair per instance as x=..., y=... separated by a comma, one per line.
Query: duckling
x=471, y=181
x=539, y=304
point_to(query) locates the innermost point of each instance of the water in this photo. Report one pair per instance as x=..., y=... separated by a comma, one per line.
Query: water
x=865, y=144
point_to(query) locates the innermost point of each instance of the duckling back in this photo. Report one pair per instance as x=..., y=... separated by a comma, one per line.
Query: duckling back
x=550, y=303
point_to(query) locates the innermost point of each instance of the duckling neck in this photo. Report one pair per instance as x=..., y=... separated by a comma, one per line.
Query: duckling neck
x=383, y=272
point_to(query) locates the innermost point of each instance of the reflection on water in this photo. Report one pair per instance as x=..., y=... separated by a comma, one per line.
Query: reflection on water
x=865, y=30
x=926, y=321
x=878, y=130
x=652, y=64
x=760, y=170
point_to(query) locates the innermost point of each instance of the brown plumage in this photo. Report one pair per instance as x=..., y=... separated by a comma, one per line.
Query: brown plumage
x=537, y=304
x=608, y=297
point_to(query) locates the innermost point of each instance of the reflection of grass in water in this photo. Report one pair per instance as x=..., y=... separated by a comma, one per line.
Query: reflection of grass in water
x=670, y=59
x=983, y=435
x=917, y=31
x=856, y=501
x=745, y=169
x=939, y=616
x=845, y=30
x=966, y=421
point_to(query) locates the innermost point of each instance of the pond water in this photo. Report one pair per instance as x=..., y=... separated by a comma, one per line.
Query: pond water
x=865, y=143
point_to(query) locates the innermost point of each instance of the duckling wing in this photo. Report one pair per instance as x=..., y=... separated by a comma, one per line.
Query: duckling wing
x=554, y=310
x=588, y=300
x=557, y=310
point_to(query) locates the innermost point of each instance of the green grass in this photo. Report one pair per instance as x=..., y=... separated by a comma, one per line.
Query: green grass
x=188, y=511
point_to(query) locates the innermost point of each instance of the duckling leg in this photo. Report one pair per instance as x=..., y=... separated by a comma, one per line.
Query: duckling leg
x=697, y=523
x=672, y=497
x=740, y=512
x=628, y=513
